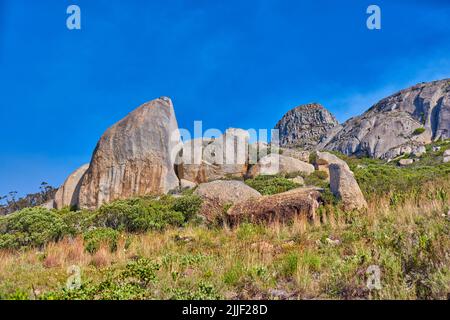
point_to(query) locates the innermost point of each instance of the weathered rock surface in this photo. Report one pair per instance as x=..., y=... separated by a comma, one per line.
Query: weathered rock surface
x=67, y=195
x=186, y=184
x=302, y=155
x=299, y=180
x=324, y=159
x=275, y=164
x=281, y=207
x=391, y=123
x=204, y=160
x=446, y=156
x=49, y=205
x=405, y=162
x=344, y=186
x=134, y=157
x=217, y=194
x=305, y=126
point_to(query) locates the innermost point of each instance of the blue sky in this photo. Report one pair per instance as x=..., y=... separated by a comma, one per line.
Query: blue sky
x=227, y=63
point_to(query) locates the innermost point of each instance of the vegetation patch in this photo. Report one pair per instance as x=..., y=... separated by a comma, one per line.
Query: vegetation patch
x=30, y=227
x=271, y=184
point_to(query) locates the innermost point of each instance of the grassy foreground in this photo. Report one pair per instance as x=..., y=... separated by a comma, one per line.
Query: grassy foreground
x=405, y=233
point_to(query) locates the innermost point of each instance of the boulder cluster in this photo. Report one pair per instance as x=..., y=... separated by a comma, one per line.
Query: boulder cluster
x=144, y=154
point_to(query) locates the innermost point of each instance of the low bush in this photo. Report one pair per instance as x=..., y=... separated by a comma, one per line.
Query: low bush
x=271, y=184
x=77, y=221
x=188, y=205
x=31, y=227
x=143, y=214
x=129, y=283
x=93, y=239
x=418, y=131
x=317, y=178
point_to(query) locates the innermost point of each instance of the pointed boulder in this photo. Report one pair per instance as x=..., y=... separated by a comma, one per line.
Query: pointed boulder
x=344, y=186
x=134, y=157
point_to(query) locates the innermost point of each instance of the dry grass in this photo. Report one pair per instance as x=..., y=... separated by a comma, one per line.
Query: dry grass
x=301, y=260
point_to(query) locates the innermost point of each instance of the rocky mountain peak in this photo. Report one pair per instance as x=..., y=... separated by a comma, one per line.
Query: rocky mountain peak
x=305, y=126
x=407, y=119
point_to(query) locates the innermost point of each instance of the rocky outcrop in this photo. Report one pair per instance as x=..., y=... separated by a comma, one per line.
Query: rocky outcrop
x=280, y=164
x=203, y=160
x=324, y=159
x=50, y=204
x=134, y=157
x=302, y=155
x=68, y=194
x=407, y=119
x=305, y=126
x=217, y=194
x=446, y=156
x=405, y=162
x=282, y=207
x=344, y=186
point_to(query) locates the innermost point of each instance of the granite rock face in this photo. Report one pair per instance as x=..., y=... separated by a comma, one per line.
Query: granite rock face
x=217, y=194
x=344, y=186
x=407, y=119
x=203, y=160
x=134, y=157
x=324, y=159
x=305, y=126
x=68, y=194
x=276, y=164
x=281, y=207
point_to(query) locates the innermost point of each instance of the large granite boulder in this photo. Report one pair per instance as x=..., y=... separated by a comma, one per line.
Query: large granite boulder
x=203, y=160
x=324, y=159
x=411, y=117
x=344, y=186
x=68, y=194
x=280, y=164
x=217, y=194
x=134, y=157
x=305, y=126
x=282, y=207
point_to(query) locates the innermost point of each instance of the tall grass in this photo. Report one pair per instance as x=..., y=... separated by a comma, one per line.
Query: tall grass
x=409, y=241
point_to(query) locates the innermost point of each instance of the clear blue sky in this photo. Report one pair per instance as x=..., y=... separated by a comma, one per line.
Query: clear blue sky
x=228, y=63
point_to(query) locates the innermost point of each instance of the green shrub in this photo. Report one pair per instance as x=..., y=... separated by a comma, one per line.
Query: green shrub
x=271, y=184
x=130, y=283
x=289, y=264
x=317, y=178
x=77, y=221
x=188, y=205
x=138, y=215
x=203, y=291
x=374, y=179
x=143, y=214
x=234, y=274
x=94, y=238
x=418, y=131
x=141, y=270
x=31, y=227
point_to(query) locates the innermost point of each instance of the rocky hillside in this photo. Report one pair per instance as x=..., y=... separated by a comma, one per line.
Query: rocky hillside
x=305, y=126
x=401, y=123
x=143, y=154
